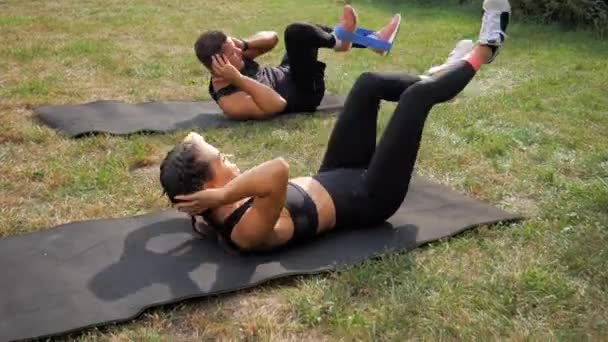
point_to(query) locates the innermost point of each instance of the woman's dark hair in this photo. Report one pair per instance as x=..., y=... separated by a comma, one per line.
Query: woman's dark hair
x=208, y=44
x=183, y=172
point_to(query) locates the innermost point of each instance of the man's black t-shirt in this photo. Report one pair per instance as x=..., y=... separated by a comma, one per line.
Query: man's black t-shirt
x=278, y=78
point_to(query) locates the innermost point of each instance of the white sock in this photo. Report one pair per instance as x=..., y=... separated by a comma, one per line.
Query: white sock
x=338, y=41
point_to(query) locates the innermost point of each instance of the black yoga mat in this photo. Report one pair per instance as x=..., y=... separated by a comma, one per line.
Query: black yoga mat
x=124, y=118
x=92, y=273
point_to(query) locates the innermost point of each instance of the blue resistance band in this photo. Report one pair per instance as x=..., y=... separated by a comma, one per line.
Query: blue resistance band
x=363, y=37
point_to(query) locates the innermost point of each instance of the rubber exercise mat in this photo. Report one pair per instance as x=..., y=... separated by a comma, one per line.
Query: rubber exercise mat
x=124, y=118
x=92, y=273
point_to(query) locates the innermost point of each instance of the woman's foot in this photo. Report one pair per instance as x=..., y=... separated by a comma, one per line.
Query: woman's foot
x=496, y=15
x=388, y=33
x=348, y=22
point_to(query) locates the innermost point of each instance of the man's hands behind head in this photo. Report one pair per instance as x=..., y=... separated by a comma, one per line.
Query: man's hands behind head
x=222, y=68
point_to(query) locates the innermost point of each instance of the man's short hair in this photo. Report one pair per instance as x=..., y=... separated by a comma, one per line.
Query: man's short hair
x=208, y=44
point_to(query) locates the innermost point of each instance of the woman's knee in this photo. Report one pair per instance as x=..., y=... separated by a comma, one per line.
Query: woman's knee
x=386, y=209
x=421, y=91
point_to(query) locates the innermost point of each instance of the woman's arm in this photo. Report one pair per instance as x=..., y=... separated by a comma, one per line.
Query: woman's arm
x=261, y=181
x=266, y=183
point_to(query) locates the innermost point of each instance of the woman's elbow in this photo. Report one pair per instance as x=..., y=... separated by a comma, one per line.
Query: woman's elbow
x=281, y=170
x=245, y=245
x=248, y=241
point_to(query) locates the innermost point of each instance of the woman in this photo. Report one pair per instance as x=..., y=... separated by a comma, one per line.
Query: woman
x=357, y=183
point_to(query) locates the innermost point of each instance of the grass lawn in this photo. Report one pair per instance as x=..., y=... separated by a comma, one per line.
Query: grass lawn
x=528, y=135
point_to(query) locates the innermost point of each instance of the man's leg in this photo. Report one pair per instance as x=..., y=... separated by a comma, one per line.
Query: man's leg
x=386, y=33
x=330, y=30
x=302, y=42
x=353, y=139
x=326, y=29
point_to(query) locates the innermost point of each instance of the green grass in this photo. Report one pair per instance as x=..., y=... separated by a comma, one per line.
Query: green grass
x=528, y=135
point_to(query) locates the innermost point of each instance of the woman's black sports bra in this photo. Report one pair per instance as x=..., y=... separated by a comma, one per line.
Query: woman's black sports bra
x=301, y=207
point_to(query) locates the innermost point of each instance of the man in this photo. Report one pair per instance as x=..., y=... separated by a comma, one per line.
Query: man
x=245, y=90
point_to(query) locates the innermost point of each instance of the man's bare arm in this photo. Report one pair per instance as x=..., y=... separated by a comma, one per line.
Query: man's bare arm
x=266, y=98
x=258, y=44
x=241, y=106
x=253, y=100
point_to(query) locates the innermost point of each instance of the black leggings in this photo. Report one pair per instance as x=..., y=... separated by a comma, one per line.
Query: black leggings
x=302, y=42
x=390, y=163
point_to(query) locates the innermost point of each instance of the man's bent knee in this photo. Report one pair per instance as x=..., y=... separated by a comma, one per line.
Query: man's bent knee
x=296, y=31
x=368, y=80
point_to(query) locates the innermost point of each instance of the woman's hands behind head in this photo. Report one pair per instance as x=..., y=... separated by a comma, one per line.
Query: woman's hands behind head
x=198, y=202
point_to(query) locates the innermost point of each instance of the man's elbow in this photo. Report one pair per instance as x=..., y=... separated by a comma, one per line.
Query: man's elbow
x=269, y=111
x=274, y=38
x=239, y=113
x=281, y=105
x=271, y=37
x=236, y=115
x=274, y=108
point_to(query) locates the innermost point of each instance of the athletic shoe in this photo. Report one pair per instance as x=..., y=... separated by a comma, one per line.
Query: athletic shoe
x=462, y=48
x=496, y=15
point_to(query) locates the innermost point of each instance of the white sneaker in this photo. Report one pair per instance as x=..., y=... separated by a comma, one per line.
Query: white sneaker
x=496, y=15
x=462, y=48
